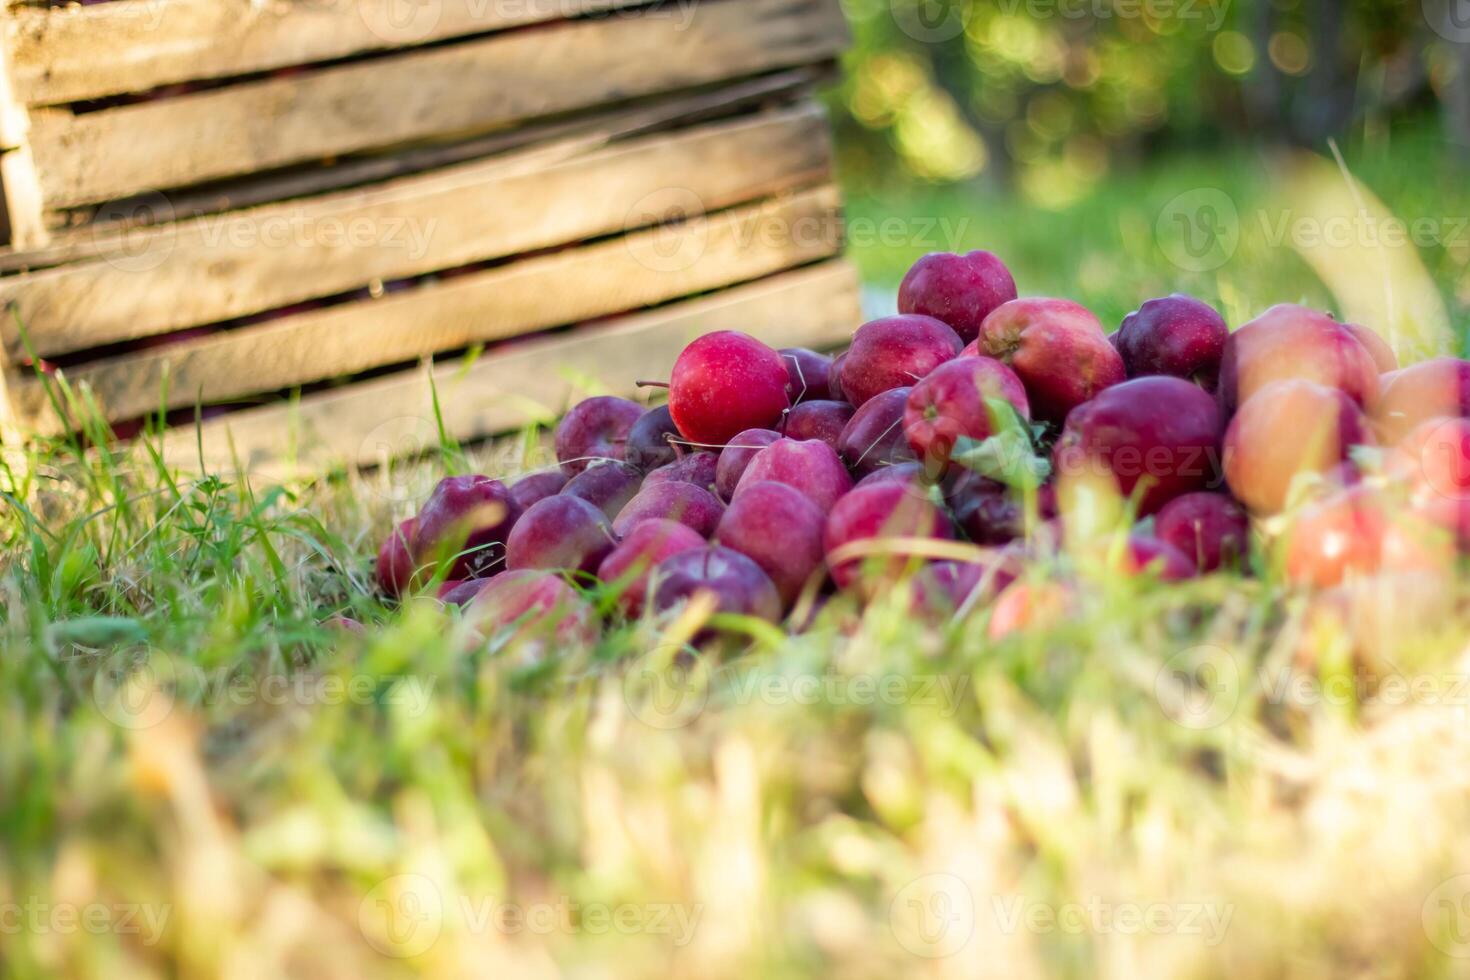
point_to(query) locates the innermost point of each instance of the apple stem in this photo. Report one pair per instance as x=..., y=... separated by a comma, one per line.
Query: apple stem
x=651, y=384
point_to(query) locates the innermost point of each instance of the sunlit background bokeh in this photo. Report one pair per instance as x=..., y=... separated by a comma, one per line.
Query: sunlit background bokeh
x=1096, y=143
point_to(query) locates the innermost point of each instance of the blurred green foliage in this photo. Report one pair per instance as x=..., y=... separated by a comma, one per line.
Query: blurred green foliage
x=1050, y=97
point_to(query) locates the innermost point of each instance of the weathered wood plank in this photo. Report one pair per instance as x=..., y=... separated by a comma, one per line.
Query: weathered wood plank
x=535, y=145
x=214, y=268
x=472, y=86
x=816, y=306
x=641, y=269
x=68, y=54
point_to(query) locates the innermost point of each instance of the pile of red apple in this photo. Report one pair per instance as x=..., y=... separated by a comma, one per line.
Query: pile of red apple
x=772, y=479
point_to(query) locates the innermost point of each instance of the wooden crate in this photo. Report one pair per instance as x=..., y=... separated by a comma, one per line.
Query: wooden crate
x=530, y=193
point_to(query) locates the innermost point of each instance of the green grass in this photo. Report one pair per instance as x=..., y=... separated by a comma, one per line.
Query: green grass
x=200, y=775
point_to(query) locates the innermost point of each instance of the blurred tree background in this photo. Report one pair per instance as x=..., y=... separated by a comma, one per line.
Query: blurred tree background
x=1048, y=96
x=1061, y=127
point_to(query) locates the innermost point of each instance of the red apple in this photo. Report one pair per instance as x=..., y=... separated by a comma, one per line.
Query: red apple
x=1058, y=350
x=1287, y=430
x=1337, y=537
x=1290, y=342
x=952, y=403
x=465, y=522
x=560, y=532
x=628, y=566
x=534, y=611
x=1378, y=349
x=726, y=382
x=875, y=513
x=961, y=290
x=1146, y=555
x=780, y=529
x=1438, y=388
x=675, y=500
x=894, y=352
x=812, y=467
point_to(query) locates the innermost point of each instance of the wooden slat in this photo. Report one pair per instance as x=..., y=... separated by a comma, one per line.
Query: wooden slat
x=25, y=222
x=641, y=269
x=211, y=269
x=533, y=146
x=67, y=54
x=474, y=85
x=817, y=306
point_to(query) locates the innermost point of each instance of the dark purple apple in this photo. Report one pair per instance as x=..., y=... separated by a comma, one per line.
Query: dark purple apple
x=465, y=521
x=1159, y=436
x=808, y=374
x=737, y=584
x=941, y=588
x=700, y=469
x=674, y=500
x=988, y=512
x=1150, y=556
x=606, y=486
x=396, y=563
x=894, y=352
x=736, y=456
x=595, y=429
x=874, y=436
x=834, y=378
x=1175, y=335
x=912, y=474
x=822, y=420
x=560, y=532
x=1209, y=528
x=649, y=446
x=780, y=529
x=536, y=486
x=961, y=290
x=812, y=467
x=627, y=568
